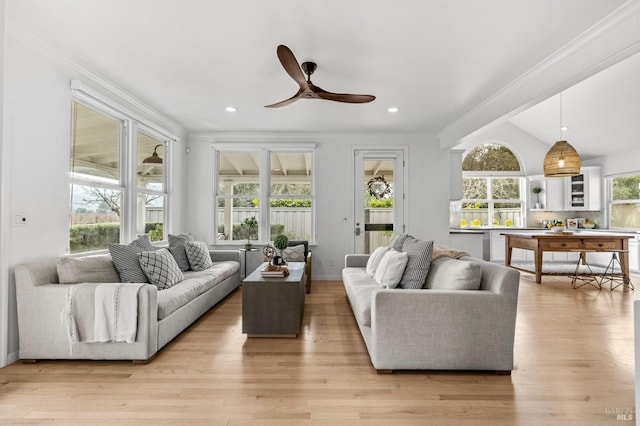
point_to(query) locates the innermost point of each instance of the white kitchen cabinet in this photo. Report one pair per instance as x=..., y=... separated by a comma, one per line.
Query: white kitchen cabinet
x=583, y=192
x=576, y=193
x=552, y=195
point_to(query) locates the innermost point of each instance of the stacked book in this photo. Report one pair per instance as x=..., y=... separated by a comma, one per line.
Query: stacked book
x=274, y=271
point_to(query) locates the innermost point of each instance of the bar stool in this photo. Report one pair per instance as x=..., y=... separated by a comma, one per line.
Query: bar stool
x=584, y=277
x=610, y=274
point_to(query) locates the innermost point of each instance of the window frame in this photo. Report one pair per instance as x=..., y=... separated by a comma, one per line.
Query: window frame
x=490, y=176
x=130, y=124
x=264, y=179
x=610, y=201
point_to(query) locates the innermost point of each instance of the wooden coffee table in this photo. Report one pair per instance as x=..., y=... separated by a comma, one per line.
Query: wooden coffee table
x=273, y=306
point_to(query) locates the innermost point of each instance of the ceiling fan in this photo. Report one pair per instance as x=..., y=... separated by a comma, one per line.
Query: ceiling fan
x=308, y=90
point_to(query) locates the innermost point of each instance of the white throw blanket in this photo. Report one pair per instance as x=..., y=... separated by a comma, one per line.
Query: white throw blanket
x=114, y=313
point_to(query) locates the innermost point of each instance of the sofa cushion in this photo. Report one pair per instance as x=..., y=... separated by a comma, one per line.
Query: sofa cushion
x=194, y=284
x=90, y=269
x=198, y=255
x=176, y=248
x=125, y=258
x=391, y=268
x=360, y=290
x=452, y=274
x=419, y=262
x=160, y=267
x=294, y=254
x=374, y=260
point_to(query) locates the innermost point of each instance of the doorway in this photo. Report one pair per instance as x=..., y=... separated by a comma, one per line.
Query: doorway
x=379, y=201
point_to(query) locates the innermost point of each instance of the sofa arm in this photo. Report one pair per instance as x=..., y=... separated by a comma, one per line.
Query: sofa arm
x=356, y=260
x=222, y=255
x=42, y=333
x=442, y=329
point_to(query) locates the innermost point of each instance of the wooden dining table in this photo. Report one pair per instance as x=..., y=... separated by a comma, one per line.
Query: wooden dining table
x=542, y=241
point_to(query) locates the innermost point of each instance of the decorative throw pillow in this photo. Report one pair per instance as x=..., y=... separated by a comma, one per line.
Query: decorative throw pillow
x=125, y=257
x=374, y=260
x=397, y=241
x=198, y=255
x=452, y=274
x=176, y=248
x=419, y=252
x=294, y=254
x=391, y=268
x=160, y=267
x=90, y=269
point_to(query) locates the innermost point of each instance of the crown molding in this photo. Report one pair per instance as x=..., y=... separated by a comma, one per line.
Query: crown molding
x=609, y=41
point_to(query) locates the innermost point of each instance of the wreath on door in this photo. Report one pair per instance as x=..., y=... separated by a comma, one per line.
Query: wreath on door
x=379, y=188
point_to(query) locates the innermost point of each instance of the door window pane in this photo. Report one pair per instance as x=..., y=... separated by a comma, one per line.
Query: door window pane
x=379, y=203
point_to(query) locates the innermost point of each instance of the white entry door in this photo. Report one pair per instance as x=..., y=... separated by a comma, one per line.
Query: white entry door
x=379, y=201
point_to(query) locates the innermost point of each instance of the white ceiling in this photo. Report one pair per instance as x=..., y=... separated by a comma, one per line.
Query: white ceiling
x=435, y=60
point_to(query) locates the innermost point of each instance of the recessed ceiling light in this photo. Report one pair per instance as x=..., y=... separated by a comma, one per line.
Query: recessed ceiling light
x=230, y=108
x=393, y=109
x=564, y=128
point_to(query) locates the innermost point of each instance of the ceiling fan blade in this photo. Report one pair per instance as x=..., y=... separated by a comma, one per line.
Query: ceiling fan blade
x=291, y=66
x=286, y=101
x=342, y=97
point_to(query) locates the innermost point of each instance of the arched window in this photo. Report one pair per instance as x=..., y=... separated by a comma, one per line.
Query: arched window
x=492, y=187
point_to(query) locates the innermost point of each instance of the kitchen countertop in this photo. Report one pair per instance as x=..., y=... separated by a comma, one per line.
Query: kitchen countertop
x=484, y=229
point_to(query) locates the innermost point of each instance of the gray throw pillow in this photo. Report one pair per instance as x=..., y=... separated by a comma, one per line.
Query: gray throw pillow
x=397, y=241
x=160, y=267
x=90, y=269
x=198, y=255
x=125, y=257
x=176, y=248
x=415, y=274
x=294, y=254
x=452, y=274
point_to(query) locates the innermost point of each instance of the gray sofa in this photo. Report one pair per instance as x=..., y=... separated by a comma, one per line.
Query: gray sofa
x=436, y=329
x=162, y=314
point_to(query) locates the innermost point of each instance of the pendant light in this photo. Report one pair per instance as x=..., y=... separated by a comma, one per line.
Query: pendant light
x=562, y=159
x=154, y=159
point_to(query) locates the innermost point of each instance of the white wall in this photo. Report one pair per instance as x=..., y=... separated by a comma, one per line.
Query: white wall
x=36, y=179
x=427, y=191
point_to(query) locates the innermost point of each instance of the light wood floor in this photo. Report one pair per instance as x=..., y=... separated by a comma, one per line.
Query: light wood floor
x=573, y=355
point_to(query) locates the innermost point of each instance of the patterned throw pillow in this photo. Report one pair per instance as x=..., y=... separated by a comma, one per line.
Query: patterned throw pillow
x=419, y=252
x=176, y=248
x=198, y=255
x=294, y=254
x=125, y=257
x=161, y=268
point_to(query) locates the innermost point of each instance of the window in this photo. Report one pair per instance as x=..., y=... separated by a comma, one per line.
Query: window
x=96, y=181
x=262, y=193
x=624, y=204
x=151, y=198
x=102, y=210
x=492, y=186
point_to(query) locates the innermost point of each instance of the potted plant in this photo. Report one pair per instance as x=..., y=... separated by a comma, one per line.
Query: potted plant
x=537, y=190
x=250, y=230
x=280, y=242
